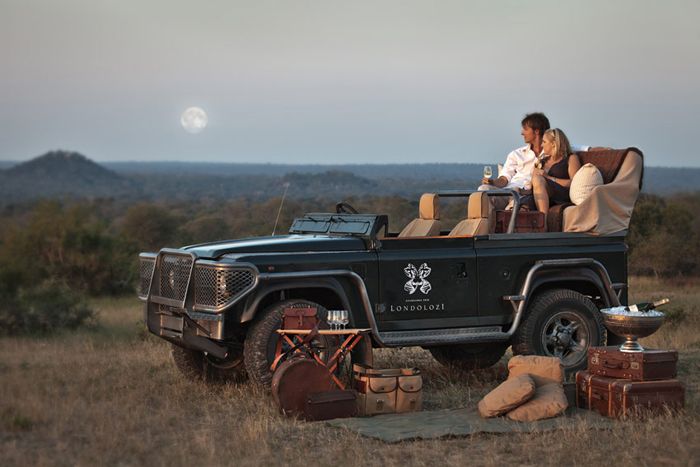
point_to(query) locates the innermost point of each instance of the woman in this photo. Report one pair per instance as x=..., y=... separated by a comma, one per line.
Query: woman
x=552, y=174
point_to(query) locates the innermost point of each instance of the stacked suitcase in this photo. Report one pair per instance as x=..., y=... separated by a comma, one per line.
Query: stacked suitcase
x=623, y=383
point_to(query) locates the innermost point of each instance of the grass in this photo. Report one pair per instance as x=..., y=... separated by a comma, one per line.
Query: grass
x=109, y=394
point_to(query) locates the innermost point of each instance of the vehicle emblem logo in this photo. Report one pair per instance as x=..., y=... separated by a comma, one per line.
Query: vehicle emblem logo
x=416, y=278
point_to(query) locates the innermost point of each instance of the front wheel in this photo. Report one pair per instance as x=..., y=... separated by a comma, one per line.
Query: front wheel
x=560, y=323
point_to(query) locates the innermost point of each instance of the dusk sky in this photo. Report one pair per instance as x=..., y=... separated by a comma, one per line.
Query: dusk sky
x=346, y=82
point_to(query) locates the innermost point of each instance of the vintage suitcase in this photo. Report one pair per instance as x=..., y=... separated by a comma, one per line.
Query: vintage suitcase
x=618, y=397
x=394, y=390
x=649, y=365
x=299, y=318
x=526, y=221
x=332, y=404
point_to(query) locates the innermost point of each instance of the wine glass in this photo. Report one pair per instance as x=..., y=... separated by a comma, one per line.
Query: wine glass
x=344, y=318
x=487, y=171
x=332, y=318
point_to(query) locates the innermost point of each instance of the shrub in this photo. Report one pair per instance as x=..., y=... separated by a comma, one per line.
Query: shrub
x=44, y=309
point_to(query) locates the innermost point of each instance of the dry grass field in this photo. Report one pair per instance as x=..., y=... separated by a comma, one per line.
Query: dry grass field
x=110, y=395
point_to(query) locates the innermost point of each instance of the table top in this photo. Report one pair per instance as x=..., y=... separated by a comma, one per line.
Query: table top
x=325, y=332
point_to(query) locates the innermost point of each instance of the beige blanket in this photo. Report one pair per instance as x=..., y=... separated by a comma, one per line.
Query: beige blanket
x=609, y=207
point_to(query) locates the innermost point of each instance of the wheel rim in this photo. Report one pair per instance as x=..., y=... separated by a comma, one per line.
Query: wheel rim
x=566, y=335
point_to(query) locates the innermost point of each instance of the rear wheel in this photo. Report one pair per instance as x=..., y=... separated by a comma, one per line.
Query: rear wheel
x=469, y=357
x=560, y=323
x=196, y=365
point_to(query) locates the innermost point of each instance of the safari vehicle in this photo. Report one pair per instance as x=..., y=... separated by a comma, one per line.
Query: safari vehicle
x=465, y=293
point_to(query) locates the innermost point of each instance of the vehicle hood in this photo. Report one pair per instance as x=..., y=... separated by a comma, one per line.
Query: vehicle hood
x=282, y=243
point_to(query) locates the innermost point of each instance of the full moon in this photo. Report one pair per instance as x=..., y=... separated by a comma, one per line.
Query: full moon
x=194, y=119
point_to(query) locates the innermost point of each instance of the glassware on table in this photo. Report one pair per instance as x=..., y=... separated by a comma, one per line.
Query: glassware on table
x=344, y=318
x=331, y=319
x=487, y=171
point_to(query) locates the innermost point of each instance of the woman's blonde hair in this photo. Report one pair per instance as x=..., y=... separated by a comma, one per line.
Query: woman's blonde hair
x=562, y=148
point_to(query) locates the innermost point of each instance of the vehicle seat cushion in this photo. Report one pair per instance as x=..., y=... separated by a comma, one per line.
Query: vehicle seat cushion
x=549, y=401
x=479, y=206
x=429, y=206
x=543, y=370
x=585, y=180
x=506, y=396
x=428, y=223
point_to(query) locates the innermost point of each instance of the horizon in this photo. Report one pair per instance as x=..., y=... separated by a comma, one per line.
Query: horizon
x=380, y=82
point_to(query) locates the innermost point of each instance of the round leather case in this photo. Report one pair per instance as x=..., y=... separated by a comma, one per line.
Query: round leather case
x=295, y=379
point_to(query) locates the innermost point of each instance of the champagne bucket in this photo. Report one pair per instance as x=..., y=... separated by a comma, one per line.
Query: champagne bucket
x=632, y=325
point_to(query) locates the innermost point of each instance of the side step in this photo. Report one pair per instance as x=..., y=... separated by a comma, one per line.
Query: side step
x=444, y=336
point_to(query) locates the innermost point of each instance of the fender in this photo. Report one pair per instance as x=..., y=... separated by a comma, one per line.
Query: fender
x=275, y=284
x=577, y=274
x=541, y=269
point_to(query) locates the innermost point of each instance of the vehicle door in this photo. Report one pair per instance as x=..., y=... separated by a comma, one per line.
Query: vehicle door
x=427, y=283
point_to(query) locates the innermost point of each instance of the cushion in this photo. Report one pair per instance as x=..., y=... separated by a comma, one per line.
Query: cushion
x=585, y=180
x=543, y=370
x=507, y=395
x=549, y=401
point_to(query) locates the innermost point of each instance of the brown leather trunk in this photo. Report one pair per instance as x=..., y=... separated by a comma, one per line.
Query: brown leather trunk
x=299, y=318
x=649, y=365
x=331, y=404
x=526, y=221
x=618, y=397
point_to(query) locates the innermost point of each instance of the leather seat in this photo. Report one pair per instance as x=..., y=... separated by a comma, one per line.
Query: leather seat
x=481, y=219
x=428, y=222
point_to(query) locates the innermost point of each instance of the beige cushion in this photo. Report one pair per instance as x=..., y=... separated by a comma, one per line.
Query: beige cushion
x=585, y=180
x=480, y=217
x=507, y=395
x=543, y=370
x=549, y=401
x=429, y=206
x=427, y=224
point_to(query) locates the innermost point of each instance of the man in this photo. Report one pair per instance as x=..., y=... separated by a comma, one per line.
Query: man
x=517, y=170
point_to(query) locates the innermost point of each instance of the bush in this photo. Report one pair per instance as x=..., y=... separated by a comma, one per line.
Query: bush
x=45, y=309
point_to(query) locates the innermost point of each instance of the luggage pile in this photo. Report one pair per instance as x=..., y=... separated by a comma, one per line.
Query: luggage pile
x=618, y=383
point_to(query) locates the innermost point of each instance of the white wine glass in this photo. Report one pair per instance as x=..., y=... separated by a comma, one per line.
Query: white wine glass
x=487, y=171
x=330, y=318
x=344, y=318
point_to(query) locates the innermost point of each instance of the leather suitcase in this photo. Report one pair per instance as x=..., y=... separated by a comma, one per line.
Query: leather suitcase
x=526, y=221
x=331, y=404
x=299, y=318
x=619, y=397
x=649, y=365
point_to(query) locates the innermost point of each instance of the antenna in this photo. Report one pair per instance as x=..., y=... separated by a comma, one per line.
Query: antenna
x=279, y=211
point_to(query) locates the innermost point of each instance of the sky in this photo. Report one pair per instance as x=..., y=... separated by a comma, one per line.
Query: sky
x=297, y=81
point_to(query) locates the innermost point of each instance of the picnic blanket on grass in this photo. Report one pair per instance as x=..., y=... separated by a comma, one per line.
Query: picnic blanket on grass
x=393, y=428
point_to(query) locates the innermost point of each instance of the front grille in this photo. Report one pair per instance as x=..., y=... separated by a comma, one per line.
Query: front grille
x=146, y=265
x=216, y=287
x=174, y=276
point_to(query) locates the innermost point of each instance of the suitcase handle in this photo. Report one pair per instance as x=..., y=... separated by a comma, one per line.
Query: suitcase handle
x=617, y=365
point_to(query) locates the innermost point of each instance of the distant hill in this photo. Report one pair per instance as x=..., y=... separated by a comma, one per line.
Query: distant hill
x=61, y=174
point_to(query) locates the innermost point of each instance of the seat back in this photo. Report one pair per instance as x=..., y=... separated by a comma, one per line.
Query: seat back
x=428, y=222
x=480, y=217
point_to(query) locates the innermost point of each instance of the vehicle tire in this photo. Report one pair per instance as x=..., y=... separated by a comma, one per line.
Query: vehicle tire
x=471, y=356
x=195, y=365
x=560, y=323
x=261, y=340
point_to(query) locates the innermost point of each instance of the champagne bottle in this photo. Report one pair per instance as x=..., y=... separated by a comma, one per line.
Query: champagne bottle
x=647, y=306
